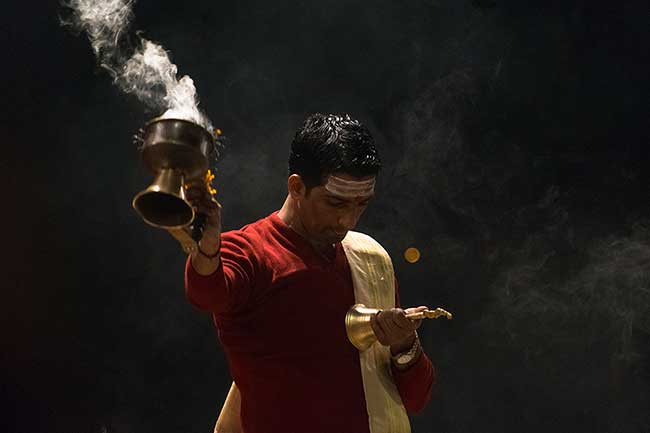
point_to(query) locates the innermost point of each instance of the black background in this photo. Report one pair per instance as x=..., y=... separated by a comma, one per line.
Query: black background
x=514, y=139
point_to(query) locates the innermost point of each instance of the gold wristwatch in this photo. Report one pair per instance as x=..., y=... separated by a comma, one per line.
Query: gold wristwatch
x=406, y=357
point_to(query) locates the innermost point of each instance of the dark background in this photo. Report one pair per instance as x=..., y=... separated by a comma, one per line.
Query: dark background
x=514, y=139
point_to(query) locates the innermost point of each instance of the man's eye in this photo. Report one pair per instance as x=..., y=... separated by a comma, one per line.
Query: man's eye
x=336, y=203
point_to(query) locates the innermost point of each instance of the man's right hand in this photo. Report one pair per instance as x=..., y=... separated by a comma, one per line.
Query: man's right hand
x=204, y=203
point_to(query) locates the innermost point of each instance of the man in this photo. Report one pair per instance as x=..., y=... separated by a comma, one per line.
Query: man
x=279, y=290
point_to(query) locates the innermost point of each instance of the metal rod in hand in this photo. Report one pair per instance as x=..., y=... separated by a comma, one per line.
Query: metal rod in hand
x=430, y=314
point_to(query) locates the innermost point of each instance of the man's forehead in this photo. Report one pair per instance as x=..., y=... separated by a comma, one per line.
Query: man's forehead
x=350, y=187
x=349, y=198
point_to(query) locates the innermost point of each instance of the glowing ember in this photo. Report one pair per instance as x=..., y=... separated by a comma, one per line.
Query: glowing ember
x=412, y=255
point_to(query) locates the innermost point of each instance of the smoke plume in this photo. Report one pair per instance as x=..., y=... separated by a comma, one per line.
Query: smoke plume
x=145, y=71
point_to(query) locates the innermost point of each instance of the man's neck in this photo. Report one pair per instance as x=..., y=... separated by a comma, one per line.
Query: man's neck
x=287, y=212
x=289, y=215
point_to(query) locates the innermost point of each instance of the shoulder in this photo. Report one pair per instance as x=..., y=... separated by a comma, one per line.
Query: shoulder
x=361, y=237
x=253, y=236
x=249, y=230
x=363, y=243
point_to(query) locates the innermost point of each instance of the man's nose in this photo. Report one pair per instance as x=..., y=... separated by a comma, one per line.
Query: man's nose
x=348, y=220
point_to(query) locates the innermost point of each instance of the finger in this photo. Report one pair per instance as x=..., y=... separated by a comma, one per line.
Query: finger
x=377, y=328
x=211, y=207
x=416, y=309
x=202, y=208
x=197, y=203
x=210, y=203
x=207, y=196
x=394, y=329
x=400, y=320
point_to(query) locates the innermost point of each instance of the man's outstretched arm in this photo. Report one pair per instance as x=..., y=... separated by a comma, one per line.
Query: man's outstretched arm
x=220, y=275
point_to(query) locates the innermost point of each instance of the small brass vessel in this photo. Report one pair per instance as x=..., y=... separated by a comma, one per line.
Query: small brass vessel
x=359, y=331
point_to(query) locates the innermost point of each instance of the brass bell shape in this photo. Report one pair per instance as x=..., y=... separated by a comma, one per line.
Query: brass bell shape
x=359, y=331
x=163, y=203
x=357, y=326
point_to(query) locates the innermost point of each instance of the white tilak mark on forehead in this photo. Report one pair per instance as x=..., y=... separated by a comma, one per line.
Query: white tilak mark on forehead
x=350, y=188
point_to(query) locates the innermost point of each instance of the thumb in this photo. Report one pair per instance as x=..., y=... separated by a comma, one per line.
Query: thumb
x=416, y=309
x=416, y=323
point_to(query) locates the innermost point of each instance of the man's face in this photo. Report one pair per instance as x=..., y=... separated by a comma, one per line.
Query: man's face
x=327, y=215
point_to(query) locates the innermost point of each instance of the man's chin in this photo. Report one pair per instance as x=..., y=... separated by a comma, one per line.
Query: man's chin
x=336, y=238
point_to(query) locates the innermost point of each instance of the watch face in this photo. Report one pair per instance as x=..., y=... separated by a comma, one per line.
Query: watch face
x=404, y=359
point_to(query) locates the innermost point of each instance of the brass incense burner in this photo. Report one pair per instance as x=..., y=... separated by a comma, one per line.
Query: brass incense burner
x=360, y=333
x=177, y=153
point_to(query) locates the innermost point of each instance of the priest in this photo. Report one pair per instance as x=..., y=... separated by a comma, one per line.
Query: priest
x=279, y=289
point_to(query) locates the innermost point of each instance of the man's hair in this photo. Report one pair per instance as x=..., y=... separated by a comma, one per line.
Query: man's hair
x=330, y=143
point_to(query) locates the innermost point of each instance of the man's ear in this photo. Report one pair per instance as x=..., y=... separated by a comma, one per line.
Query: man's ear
x=296, y=186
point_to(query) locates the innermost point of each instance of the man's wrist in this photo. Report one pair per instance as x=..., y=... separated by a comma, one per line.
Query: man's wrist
x=210, y=244
x=208, y=255
x=404, y=359
x=403, y=346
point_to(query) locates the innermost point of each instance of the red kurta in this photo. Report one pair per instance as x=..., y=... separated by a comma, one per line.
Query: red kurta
x=279, y=309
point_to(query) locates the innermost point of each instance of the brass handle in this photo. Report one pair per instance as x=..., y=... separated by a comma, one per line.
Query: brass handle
x=430, y=314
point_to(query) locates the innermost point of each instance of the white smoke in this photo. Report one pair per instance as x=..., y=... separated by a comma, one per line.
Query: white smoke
x=151, y=76
x=103, y=21
x=148, y=73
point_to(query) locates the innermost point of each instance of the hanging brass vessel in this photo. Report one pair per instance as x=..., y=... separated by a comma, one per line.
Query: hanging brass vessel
x=176, y=152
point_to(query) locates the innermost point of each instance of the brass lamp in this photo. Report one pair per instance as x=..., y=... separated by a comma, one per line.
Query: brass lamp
x=359, y=331
x=177, y=153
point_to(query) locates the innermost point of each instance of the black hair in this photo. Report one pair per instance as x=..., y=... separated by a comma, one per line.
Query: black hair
x=329, y=143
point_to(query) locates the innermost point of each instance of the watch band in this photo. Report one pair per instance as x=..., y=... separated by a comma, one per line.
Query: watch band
x=404, y=358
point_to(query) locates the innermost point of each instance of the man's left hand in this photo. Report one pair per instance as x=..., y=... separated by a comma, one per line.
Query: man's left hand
x=394, y=329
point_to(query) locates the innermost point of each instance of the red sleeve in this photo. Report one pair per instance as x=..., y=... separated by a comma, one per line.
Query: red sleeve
x=415, y=384
x=232, y=284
